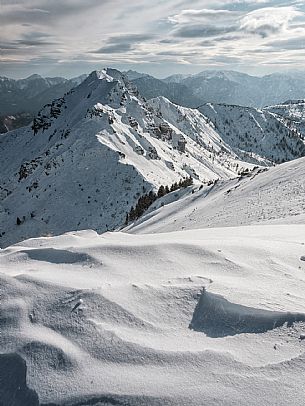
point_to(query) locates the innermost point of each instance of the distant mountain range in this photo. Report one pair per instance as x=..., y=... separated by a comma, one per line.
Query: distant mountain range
x=178, y=93
x=28, y=96
x=89, y=155
x=223, y=87
x=21, y=99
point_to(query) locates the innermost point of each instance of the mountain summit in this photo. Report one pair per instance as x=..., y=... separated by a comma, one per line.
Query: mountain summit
x=88, y=157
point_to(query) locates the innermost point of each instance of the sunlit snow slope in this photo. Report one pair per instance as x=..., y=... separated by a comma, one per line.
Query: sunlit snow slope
x=276, y=195
x=164, y=319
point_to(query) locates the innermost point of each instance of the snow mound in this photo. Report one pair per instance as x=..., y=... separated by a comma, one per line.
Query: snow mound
x=116, y=329
x=217, y=317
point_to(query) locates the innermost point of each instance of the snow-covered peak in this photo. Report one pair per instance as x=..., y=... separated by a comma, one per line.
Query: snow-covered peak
x=97, y=150
x=108, y=74
x=34, y=77
x=107, y=86
x=90, y=155
x=101, y=75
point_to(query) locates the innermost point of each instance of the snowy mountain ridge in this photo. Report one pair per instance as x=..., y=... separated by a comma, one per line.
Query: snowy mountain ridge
x=256, y=132
x=292, y=113
x=90, y=155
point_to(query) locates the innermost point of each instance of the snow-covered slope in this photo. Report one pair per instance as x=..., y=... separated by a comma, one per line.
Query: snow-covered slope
x=91, y=154
x=214, y=316
x=201, y=129
x=257, y=132
x=276, y=195
x=293, y=114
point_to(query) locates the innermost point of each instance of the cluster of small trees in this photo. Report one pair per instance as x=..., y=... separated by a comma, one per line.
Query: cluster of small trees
x=148, y=199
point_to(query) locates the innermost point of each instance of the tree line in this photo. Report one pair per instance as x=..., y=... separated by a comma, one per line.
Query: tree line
x=148, y=199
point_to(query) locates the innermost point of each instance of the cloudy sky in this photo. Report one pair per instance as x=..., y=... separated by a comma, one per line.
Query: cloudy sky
x=160, y=37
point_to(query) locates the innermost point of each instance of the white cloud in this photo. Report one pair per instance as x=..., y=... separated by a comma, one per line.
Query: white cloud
x=203, y=15
x=269, y=20
x=161, y=34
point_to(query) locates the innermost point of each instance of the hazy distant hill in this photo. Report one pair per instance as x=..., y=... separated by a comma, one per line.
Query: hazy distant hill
x=228, y=87
x=178, y=93
x=30, y=95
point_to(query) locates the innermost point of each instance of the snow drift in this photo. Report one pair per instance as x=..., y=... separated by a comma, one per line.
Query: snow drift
x=109, y=322
x=217, y=317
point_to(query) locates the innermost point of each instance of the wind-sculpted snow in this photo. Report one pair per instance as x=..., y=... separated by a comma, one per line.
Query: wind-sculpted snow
x=217, y=317
x=105, y=319
x=117, y=400
x=56, y=256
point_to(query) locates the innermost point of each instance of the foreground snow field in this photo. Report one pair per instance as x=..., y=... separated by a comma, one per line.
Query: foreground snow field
x=209, y=316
